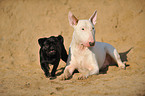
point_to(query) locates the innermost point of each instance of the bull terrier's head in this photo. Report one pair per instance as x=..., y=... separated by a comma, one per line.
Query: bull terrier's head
x=84, y=31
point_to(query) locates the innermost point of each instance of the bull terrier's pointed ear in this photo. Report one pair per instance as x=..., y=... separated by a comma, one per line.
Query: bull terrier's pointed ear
x=72, y=19
x=93, y=17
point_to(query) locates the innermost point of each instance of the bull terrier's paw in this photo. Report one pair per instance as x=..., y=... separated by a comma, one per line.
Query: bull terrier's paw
x=63, y=77
x=122, y=66
x=82, y=77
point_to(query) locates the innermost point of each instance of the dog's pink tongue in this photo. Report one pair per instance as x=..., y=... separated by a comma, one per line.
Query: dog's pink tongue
x=52, y=51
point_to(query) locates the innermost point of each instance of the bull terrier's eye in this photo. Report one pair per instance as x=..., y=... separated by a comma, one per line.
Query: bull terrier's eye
x=83, y=29
x=93, y=28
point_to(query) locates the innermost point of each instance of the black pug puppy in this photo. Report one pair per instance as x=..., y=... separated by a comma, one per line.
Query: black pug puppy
x=52, y=49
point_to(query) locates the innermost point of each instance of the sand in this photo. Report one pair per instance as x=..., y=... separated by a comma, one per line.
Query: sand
x=22, y=22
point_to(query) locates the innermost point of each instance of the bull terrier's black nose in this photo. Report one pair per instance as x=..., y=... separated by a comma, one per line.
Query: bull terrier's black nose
x=92, y=43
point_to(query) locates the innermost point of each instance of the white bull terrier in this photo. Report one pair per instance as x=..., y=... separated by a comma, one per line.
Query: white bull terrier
x=85, y=54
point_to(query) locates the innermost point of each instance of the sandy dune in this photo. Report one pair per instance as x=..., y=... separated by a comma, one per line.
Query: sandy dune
x=120, y=23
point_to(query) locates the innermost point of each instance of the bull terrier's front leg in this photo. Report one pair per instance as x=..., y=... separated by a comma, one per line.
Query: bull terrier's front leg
x=67, y=72
x=90, y=71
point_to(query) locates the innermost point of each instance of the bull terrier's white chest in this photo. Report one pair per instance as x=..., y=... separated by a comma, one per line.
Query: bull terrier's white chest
x=84, y=59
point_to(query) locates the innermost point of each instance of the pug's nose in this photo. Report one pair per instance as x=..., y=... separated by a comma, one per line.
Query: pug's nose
x=92, y=43
x=51, y=48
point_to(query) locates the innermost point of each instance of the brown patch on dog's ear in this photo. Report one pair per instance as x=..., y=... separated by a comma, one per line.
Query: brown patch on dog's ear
x=41, y=41
x=60, y=38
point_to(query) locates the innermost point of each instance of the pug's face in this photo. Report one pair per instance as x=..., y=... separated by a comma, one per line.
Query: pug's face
x=50, y=45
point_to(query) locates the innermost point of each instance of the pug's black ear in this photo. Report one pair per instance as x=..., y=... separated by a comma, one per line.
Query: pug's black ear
x=41, y=41
x=60, y=38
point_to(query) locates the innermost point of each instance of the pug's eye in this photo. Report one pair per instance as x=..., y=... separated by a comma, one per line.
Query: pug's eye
x=83, y=29
x=93, y=28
